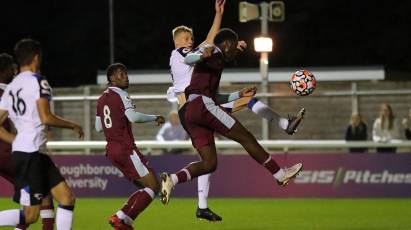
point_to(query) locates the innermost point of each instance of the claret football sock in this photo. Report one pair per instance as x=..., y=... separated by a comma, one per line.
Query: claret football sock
x=47, y=217
x=271, y=165
x=181, y=176
x=136, y=203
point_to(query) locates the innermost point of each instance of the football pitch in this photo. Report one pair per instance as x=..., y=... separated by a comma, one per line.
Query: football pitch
x=251, y=214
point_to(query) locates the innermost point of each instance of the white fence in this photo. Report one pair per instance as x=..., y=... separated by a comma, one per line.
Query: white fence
x=354, y=94
x=284, y=145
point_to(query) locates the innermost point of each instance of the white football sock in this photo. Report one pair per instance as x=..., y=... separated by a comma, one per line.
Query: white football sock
x=10, y=217
x=150, y=192
x=125, y=218
x=203, y=184
x=283, y=123
x=279, y=175
x=266, y=112
x=174, y=178
x=47, y=213
x=64, y=219
x=120, y=214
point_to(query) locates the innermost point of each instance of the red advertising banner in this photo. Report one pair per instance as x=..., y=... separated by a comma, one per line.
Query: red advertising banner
x=324, y=175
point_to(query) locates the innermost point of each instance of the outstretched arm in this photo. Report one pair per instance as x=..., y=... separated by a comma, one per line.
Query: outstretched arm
x=225, y=98
x=201, y=54
x=219, y=10
x=136, y=117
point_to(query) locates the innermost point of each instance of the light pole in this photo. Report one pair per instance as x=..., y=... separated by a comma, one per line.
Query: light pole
x=111, y=30
x=264, y=45
x=273, y=11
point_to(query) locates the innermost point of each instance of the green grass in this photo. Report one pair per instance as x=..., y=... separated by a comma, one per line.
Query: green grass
x=252, y=214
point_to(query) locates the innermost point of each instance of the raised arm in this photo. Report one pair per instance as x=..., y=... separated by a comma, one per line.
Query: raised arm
x=199, y=55
x=219, y=10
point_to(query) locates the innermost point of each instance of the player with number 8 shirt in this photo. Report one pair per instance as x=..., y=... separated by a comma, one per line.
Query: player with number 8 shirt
x=115, y=113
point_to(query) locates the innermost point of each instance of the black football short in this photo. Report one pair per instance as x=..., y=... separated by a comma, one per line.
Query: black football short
x=36, y=175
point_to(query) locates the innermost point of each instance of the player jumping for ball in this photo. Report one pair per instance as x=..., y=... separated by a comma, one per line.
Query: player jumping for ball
x=181, y=77
x=202, y=115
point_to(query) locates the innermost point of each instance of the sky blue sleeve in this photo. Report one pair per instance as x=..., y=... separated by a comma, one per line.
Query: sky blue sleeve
x=131, y=114
x=137, y=117
x=193, y=57
x=98, y=124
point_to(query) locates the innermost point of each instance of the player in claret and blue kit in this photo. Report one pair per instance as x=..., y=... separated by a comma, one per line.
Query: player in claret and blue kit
x=115, y=114
x=181, y=73
x=202, y=115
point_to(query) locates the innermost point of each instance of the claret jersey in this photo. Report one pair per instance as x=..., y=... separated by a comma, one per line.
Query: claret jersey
x=206, y=76
x=5, y=148
x=111, y=108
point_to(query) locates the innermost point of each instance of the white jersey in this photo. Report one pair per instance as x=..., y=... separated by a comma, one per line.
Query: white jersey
x=20, y=100
x=180, y=71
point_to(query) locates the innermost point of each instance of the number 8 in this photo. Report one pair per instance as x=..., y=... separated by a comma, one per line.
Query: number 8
x=107, y=119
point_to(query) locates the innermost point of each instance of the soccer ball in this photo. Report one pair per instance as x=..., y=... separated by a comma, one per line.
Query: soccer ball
x=303, y=82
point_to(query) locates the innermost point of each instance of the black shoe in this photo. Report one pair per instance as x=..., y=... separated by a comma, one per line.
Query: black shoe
x=294, y=121
x=207, y=214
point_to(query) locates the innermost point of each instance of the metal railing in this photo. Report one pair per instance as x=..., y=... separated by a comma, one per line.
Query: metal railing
x=323, y=94
x=284, y=145
x=354, y=93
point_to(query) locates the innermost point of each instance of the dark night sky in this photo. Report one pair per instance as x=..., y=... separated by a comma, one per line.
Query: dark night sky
x=74, y=34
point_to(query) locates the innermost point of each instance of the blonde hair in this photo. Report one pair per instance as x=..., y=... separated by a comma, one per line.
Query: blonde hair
x=359, y=127
x=180, y=29
x=390, y=117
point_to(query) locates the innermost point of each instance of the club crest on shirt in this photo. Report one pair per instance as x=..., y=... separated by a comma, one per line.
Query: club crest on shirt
x=186, y=50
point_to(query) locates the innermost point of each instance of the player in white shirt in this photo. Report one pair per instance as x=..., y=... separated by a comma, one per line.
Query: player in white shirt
x=8, y=69
x=26, y=101
x=182, y=61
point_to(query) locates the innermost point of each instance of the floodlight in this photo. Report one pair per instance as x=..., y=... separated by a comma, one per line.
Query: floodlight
x=248, y=11
x=263, y=44
x=276, y=11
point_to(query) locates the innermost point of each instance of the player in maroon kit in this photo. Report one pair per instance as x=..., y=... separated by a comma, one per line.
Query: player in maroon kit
x=8, y=70
x=202, y=115
x=115, y=113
